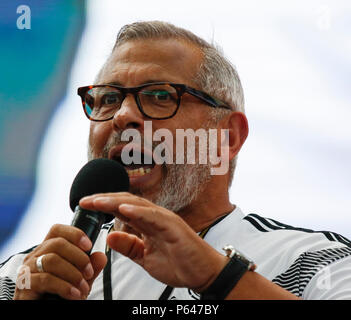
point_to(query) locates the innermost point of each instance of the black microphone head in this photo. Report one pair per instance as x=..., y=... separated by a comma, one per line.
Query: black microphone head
x=98, y=176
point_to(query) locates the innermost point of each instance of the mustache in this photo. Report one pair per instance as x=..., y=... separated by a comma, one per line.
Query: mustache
x=116, y=139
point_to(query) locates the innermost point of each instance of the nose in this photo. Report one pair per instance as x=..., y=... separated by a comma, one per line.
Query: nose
x=128, y=115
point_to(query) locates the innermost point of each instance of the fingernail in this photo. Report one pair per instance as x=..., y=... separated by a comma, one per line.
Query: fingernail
x=75, y=292
x=103, y=200
x=85, y=243
x=85, y=199
x=126, y=207
x=88, y=271
x=84, y=287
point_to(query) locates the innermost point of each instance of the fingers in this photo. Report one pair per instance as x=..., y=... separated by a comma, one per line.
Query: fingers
x=127, y=207
x=60, y=248
x=67, y=269
x=146, y=220
x=46, y=283
x=72, y=234
x=126, y=244
x=109, y=202
x=57, y=266
x=138, y=213
x=98, y=261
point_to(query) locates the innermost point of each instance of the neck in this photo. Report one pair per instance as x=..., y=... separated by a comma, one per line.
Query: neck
x=211, y=204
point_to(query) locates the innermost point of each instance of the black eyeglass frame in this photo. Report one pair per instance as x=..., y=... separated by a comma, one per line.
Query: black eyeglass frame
x=180, y=88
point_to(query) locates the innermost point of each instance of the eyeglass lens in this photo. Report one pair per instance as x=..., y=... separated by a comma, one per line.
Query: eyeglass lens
x=156, y=101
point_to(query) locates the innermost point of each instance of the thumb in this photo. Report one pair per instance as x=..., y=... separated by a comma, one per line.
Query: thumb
x=98, y=261
x=127, y=244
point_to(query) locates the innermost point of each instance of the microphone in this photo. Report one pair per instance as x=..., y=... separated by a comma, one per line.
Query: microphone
x=97, y=176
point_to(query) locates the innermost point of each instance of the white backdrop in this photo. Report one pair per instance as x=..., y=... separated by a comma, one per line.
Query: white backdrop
x=294, y=60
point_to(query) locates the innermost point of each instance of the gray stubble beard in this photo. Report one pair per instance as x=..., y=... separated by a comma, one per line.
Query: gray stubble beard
x=181, y=185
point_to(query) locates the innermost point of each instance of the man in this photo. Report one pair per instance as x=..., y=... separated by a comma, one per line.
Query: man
x=170, y=230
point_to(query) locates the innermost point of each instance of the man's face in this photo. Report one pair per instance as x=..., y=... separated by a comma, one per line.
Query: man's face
x=134, y=63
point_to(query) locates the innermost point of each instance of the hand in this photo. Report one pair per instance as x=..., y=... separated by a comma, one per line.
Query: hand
x=68, y=271
x=166, y=247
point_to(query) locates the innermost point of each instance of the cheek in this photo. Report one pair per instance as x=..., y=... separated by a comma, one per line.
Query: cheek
x=98, y=136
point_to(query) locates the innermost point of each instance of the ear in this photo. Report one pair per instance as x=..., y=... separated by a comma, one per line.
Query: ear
x=238, y=130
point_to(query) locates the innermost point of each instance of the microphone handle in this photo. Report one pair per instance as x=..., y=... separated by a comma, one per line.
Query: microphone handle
x=90, y=222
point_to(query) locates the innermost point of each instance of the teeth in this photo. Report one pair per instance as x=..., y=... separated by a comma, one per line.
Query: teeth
x=138, y=172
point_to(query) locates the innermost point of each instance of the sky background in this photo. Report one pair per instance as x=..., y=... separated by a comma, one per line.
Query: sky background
x=294, y=61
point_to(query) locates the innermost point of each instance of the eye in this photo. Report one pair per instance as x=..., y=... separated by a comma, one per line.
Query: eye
x=110, y=98
x=157, y=95
x=162, y=95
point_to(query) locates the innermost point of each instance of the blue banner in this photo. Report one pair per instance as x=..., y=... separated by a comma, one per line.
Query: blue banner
x=38, y=43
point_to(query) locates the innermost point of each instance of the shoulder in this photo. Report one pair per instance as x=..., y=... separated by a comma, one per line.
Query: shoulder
x=8, y=274
x=262, y=233
x=268, y=225
x=295, y=258
x=307, y=259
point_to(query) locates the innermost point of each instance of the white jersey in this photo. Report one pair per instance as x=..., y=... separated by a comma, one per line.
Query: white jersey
x=309, y=264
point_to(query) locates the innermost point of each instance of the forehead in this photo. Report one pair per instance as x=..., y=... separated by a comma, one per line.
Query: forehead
x=141, y=61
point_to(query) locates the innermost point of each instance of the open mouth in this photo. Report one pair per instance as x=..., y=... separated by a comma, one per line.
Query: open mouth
x=141, y=163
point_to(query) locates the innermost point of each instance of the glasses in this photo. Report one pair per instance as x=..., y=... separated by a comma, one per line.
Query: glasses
x=158, y=100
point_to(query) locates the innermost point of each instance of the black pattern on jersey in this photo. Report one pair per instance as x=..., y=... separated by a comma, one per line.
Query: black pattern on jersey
x=267, y=225
x=7, y=288
x=299, y=274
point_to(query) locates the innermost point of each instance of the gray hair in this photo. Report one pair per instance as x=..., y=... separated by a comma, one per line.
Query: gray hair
x=216, y=75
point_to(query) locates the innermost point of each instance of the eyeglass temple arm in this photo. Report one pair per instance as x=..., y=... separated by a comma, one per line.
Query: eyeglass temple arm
x=207, y=98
